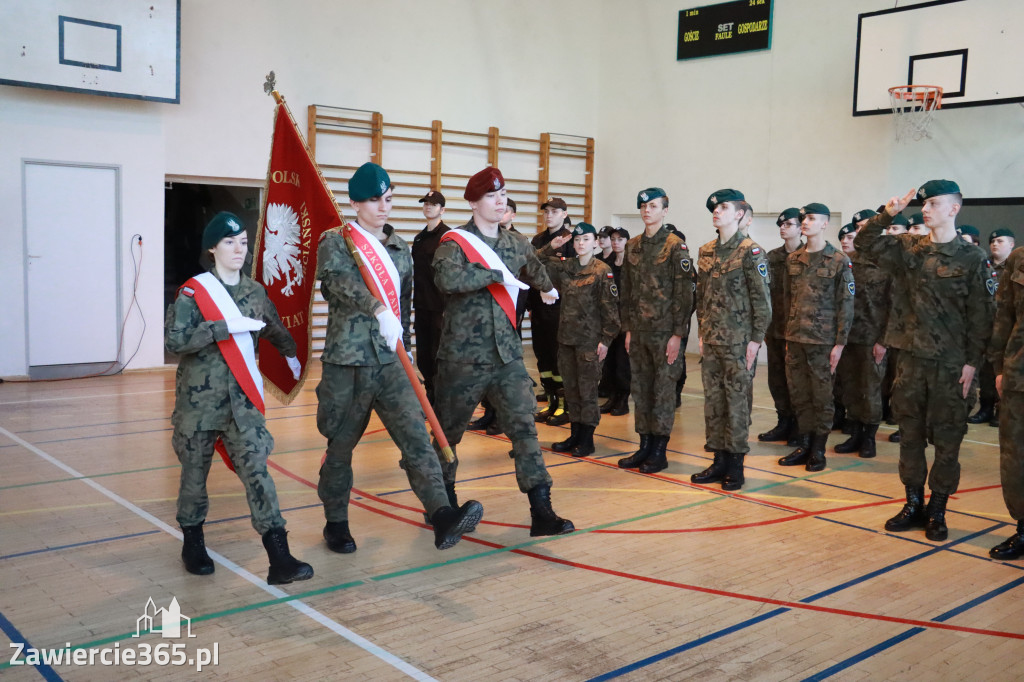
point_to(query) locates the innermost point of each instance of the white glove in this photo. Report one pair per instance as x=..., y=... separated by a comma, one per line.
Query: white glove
x=295, y=366
x=390, y=327
x=508, y=279
x=244, y=324
x=409, y=353
x=549, y=297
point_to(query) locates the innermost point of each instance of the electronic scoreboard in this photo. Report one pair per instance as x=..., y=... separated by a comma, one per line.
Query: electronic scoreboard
x=739, y=26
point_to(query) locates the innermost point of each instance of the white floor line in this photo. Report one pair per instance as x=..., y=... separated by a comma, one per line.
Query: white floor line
x=115, y=394
x=299, y=606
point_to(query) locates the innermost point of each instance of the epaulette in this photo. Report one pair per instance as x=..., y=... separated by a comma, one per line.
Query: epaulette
x=333, y=230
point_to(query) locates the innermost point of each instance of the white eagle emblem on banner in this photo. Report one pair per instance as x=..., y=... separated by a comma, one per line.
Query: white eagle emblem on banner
x=281, y=248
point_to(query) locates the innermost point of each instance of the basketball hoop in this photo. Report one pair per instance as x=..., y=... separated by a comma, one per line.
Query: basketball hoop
x=914, y=106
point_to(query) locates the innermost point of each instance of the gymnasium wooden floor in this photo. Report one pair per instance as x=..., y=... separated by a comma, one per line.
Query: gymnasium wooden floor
x=792, y=578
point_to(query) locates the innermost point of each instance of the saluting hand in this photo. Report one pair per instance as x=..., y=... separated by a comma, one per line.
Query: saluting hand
x=560, y=241
x=897, y=204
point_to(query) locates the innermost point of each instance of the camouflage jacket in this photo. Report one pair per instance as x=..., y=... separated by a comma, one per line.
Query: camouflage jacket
x=871, y=303
x=590, y=299
x=476, y=329
x=1006, y=350
x=897, y=332
x=353, y=333
x=776, y=282
x=733, y=297
x=658, y=284
x=819, y=288
x=949, y=288
x=206, y=395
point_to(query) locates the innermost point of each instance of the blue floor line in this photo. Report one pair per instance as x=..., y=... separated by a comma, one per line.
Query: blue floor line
x=14, y=635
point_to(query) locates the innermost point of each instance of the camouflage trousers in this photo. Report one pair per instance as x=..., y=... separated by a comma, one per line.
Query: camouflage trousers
x=654, y=382
x=728, y=387
x=809, y=378
x=461, y=386
x=347, y=394
x=1011, y=452
x=248, y=451
x=581, y=373
x=777, y=376
x=928, y=404
x=861, y=381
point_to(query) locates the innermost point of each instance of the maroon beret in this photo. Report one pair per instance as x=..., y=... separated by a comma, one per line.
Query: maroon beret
x=487, y=180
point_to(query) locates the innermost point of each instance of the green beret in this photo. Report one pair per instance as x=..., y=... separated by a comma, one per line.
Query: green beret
x=649, y=194
x=846, y=229
x=584, y=228
x=224, y=224
x=970, y=230
x=1001, y=232
x=369, y=182
x=788, y=214
x=900, y=219
x=723, y=195
x=816, y=209
x=916, y=219
x=863, y=215
x=934, y=188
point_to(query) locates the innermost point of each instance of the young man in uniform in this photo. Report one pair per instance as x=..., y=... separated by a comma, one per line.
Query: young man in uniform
x=949, y=287
x=481, y=353
x=1000, y=244
x=616, y=365
x=775, y=339
x=733, y=311
x=658, y=283
x=819, y=288
x=361, y=371
x=427, y=300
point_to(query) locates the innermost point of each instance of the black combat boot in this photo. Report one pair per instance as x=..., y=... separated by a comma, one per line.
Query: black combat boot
x=638, y=457
x=867, y=441
x=485, y=420
x=193, y=551
x=284, y=568
x=985, y=413
x=622, y=407
x=912, y=514
x=839, y=417
x=714, y=473
x=493, y=429
x=935, y=527
x=450, y=524
x=816, y=456
x=544, y=414
x=657, y=459
x=778, y=432
x=852, y=444
x=338, y=537
x=734, y=472
x=560, y=416
x=610, y=404
x=1011, y=548
x=585, y=444
x=894, y=437
x=570, y=442
x=544, y=520
x=994, y=421
x=794, y=434
x=798, y=456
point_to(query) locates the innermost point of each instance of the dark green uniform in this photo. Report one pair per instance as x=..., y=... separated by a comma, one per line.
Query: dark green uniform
x=1007, y=356
x=949, y=324
x=481, y=354
x=775, y=337
x=208, y=402
x=362, y=374
x=658, y=281
x=860, y=376
x=733, y=309
x=819, y=287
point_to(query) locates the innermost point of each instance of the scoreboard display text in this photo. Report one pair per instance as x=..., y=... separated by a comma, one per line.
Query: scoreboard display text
x=738, y=26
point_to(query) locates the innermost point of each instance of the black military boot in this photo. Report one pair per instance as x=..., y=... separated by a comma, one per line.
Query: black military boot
x=193, y=551
x=338, y=537
x=560, y=416
x=852, y=444
x=610, y=404
x=570, y=442
x=798, y=456
x=867, y=441
x=638, y=457
x=657, y=459
x=284, y=568
x=544, y=520
x=912, y=514
x=585, y=444
x=935, y=527
x=1011, y=548
x=794, y=434
x=450, y=524
x=485, y=420
x=622, y=407
x=984, y=414
x=895, y=436
x=778, y=432
x=994, y=421
x=544, y=414
x=734, y=472
x=714, y=473
x=816, y=456
x=839, y=417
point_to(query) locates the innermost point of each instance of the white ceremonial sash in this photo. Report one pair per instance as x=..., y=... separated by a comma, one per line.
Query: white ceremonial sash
x=380, y=266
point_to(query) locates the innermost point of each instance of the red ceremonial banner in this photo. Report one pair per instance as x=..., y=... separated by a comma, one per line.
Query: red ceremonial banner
x=297, y=209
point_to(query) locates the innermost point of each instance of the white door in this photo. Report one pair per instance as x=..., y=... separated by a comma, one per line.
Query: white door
x=71, y=238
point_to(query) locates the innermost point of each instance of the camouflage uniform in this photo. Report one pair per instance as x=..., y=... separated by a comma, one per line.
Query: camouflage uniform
x=819, y=287
x=658, y=282
x=590, y=315
x=1006, y=353
x=949, y=326
x=361, y=373
x=775, y=337
x=208, y=402
x=733, y=309
x=481, y=354
x=986, y=378
x=859, y=374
